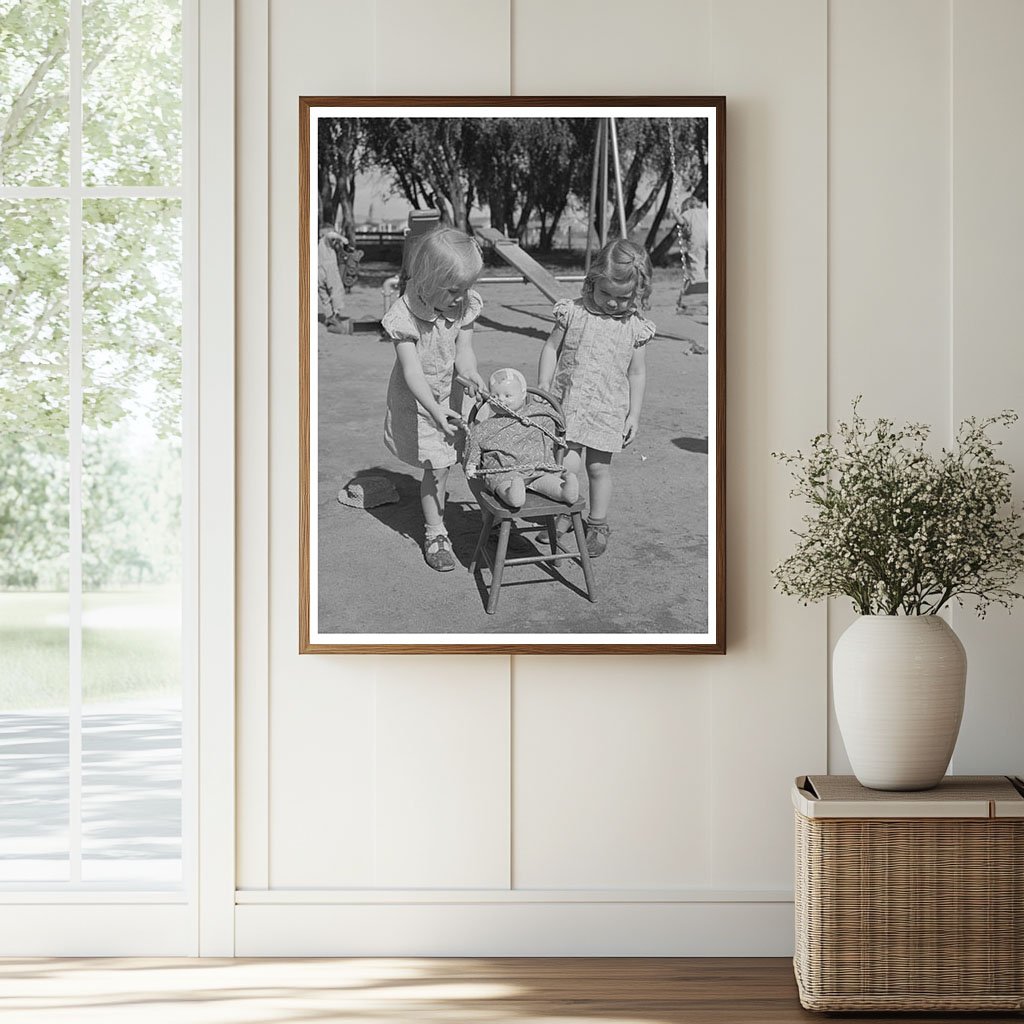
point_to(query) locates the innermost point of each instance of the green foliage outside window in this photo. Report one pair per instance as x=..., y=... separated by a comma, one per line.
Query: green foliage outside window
x=131, y=309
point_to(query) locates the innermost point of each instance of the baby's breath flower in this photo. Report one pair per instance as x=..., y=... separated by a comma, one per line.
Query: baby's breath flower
x=898, y=529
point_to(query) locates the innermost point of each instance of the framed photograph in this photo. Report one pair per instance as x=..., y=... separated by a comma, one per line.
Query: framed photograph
x=512, y=374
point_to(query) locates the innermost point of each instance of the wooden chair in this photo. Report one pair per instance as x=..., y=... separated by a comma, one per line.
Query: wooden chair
x=538, y=512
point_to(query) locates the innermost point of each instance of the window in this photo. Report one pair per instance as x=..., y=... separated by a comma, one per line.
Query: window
x=96, y=464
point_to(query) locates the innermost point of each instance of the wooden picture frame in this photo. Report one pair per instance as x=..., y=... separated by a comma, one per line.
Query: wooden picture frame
x=364, y=587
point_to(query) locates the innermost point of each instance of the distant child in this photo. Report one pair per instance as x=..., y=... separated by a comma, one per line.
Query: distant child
x=693, y=229
x=593, y=363
x=330, y=288
x=431, y=325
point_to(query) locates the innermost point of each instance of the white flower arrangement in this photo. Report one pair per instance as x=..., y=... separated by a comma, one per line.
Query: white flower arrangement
x=899, y=530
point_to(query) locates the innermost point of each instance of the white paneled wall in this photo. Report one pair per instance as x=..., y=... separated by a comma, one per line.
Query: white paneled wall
x=987, y=355
x=442, y=799
x=768, y=693
x=626, y=805
x=441, y=48
x=580, y=48
x=612, y=775
x=313, y=784
x=889, y=211
x=889, y=221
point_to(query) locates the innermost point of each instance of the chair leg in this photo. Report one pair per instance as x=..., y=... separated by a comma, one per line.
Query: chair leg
x=499, y=565
x=581, y=543
x=552, y=534
x=488, y=523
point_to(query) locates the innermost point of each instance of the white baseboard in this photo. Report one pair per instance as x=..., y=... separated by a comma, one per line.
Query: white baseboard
x=514, y=928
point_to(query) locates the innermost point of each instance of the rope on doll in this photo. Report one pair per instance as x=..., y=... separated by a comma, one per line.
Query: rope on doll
x=499, y=404
x=519, y=467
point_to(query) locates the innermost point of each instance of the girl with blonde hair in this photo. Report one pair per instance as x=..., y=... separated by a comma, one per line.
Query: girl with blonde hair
x=431, y=325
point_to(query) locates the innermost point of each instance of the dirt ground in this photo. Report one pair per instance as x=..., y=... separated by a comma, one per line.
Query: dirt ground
x=653, y=577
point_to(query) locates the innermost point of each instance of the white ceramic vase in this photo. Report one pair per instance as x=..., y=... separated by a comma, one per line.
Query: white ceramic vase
x=898, y=684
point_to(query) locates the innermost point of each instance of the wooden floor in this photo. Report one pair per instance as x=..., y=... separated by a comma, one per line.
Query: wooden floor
x=413, y=991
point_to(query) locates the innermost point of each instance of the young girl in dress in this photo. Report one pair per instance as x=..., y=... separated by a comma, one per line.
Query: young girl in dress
x=431, y=325
x=593, y=363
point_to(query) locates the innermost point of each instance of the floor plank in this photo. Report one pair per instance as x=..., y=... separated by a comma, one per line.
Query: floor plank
x=424, y=991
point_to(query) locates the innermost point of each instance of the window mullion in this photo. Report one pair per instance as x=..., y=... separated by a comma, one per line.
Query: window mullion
x=75, y=303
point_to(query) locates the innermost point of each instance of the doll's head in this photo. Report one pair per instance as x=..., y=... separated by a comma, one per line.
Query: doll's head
x=619, y=279
x=442, y=266
x=509, y=387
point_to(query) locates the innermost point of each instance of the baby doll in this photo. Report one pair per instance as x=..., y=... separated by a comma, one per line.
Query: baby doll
x=510, y=455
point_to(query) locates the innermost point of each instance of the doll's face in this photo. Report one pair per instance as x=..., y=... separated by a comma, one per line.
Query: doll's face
x=510, y=393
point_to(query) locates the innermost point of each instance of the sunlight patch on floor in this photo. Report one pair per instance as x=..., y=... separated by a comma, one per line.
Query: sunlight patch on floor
x=219, y=991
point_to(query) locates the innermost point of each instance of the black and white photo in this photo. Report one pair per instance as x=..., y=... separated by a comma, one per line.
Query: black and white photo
x=512, y=375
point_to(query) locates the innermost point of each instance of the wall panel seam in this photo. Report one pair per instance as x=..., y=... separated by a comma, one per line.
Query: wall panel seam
x=253, y=312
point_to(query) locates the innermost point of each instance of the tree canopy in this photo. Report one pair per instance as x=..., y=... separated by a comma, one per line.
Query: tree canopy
x=524, y=170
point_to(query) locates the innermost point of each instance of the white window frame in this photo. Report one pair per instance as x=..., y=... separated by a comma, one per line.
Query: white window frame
x=50, y=919
x=215, y=191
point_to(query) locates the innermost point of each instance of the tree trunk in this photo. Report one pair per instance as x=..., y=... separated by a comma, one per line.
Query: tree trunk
x=499, y=214
x=408, y=186
x=460, y=214
x=325, y=203
x=659, y=254
x=344, y=201
x=523, y=222
x=631, y=181
x=547, y=235
x=633, y=219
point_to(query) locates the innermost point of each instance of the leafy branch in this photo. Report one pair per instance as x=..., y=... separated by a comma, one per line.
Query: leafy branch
x=900, y=530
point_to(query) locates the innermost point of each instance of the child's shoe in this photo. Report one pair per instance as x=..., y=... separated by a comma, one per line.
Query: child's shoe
x=437, y=551
x=597, y=538
x=563, y=525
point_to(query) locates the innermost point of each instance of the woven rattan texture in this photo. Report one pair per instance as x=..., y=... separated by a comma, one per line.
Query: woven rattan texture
x=959, y=787
x=915, y=914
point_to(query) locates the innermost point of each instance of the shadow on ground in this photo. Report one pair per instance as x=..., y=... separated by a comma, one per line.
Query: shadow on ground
x=526, y=332
x=692, y=444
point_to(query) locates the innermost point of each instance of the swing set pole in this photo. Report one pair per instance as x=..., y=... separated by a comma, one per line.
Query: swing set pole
x=618, y=177
x=604, y=182
x=593, y=195
x=597, y=209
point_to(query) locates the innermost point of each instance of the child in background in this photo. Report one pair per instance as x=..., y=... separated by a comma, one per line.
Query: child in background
x=593, y=363
x=330, y=288
x=431, y=325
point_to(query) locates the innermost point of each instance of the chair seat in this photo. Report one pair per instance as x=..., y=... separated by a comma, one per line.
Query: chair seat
x=535, y=507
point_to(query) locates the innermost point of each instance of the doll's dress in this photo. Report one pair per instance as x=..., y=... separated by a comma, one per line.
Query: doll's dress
x=501, y=447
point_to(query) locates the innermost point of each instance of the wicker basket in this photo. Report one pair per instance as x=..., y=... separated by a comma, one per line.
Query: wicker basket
x=910, y=901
